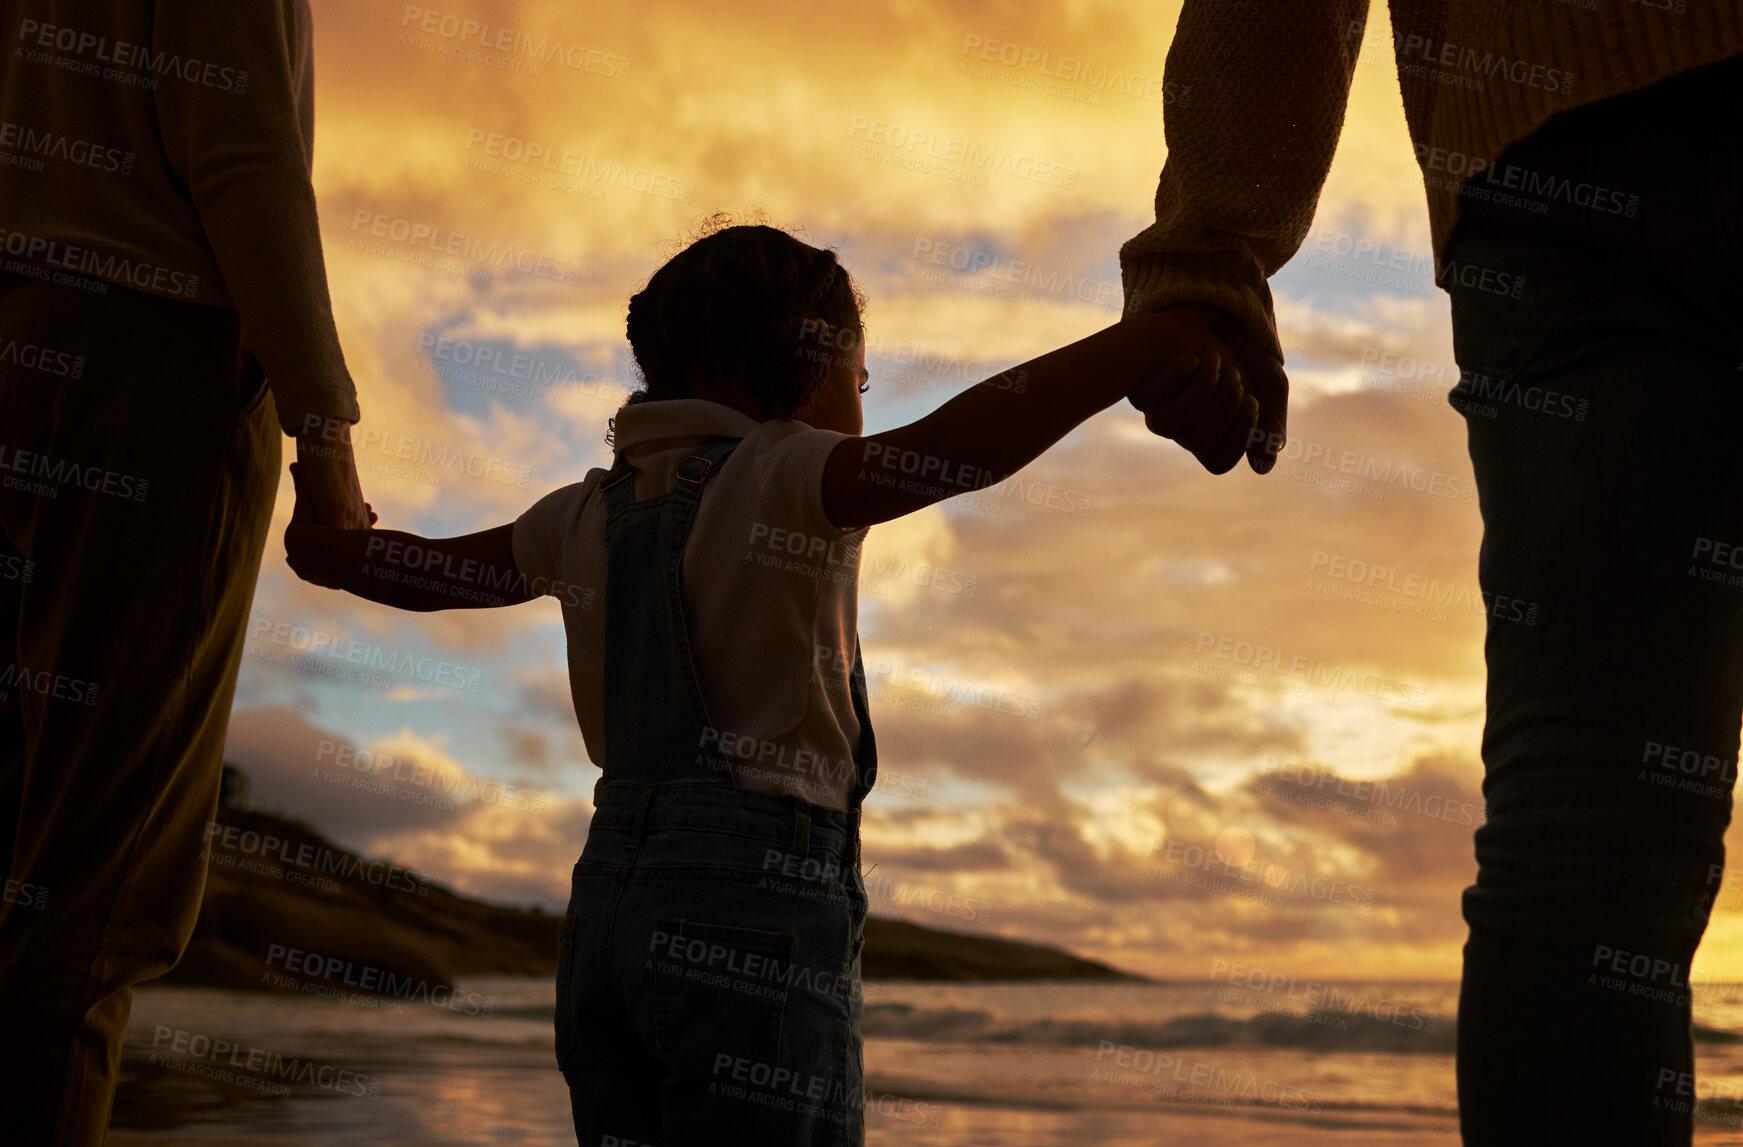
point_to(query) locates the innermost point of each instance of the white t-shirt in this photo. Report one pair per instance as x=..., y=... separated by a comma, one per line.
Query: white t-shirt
x=770, y=589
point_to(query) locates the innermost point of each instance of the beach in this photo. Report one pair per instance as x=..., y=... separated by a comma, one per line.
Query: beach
x=1046, y=1064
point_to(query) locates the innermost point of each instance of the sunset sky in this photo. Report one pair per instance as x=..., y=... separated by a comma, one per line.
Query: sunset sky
x=1114, y=628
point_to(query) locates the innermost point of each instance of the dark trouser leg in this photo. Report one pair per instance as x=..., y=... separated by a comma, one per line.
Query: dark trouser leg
x=713, y=992
x=124, y=647
x=1604, y=408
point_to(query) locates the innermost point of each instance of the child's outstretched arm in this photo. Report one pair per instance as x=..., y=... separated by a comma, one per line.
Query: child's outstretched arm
x=475, y=571
x=993, y=429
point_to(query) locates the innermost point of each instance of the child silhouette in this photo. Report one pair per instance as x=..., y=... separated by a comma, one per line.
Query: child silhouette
x=708, y=984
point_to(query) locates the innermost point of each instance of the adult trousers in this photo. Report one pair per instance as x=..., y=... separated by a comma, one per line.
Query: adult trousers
x=139, y=458
x=1598, y=327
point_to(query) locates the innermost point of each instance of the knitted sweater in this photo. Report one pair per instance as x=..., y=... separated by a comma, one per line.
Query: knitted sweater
x=1269, y=79
x=165, y=145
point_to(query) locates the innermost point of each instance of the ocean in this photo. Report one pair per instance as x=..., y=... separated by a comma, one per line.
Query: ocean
x=1048, y=1065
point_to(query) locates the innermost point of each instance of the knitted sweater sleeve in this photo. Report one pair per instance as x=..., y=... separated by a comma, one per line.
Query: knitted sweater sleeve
x=244, y=153
x=1263, y=86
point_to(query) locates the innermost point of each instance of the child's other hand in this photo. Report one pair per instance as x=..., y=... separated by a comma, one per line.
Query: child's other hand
x=1198, y=403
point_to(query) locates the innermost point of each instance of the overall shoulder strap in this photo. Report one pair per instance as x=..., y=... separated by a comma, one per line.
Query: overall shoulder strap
x=693, y=471
x=618, y=487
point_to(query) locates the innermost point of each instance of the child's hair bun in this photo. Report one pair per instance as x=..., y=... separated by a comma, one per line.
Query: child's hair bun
x=734, y=301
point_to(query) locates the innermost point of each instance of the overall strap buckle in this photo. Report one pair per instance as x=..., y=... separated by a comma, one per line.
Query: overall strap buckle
x=618, y=472
x=689, y=471
x=694, y=470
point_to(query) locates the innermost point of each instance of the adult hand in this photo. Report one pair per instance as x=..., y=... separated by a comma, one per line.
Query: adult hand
x=1199, y=403
x=301, y=546
x=326, y=477
x=310, y=546
x=1256, y=374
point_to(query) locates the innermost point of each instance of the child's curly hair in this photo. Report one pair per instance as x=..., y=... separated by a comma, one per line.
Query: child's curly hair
x=735, y=299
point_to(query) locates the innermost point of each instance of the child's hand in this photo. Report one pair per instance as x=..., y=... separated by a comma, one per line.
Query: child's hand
x=1200, y=405
x=360, y=561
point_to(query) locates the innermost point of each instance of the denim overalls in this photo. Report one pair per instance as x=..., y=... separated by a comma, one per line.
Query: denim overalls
x=708, y=974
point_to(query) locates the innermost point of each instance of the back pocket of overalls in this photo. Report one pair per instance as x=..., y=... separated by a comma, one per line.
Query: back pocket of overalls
x=719, y=995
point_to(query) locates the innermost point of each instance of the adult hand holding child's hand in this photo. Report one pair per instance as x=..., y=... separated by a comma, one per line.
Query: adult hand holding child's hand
x=327, y=478
x=303, y=538
x=1201, y=405
x=1223, y=395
